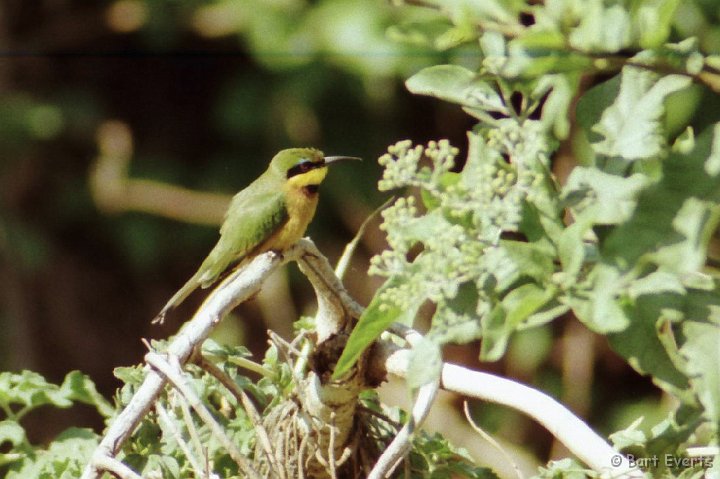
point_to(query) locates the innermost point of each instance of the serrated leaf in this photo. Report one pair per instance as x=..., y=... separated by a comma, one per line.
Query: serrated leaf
x=30, y=390
x=602, y=313
x=425, y=363
x=375, y=319
x=694, y=223
x=654, y=283
x=640, y=346
x=631, y=127
x=602, y=29
x=65, y=457
x=130, y=374
x=457, y=85
x=602, y=198
x=80, y=388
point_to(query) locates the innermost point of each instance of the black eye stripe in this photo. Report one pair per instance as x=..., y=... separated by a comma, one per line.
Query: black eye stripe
x=302, y=167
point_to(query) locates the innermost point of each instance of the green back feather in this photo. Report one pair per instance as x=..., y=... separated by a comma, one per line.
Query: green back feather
x=255, y=213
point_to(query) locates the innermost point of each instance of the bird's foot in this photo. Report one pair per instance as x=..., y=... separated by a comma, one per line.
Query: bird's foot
x=160, y=318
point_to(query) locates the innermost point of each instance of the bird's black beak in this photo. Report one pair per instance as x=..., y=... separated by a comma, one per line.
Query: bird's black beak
x=333, y=159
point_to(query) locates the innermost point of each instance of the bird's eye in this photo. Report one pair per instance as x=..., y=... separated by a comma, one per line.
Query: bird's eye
x=305, y=166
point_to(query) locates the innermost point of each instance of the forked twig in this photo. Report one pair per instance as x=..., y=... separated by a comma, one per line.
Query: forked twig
x=173, y=372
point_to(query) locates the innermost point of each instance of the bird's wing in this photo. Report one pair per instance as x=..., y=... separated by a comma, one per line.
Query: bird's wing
x=252, y=217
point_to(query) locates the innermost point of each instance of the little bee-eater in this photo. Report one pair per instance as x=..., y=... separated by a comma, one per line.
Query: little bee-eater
x=272, y=213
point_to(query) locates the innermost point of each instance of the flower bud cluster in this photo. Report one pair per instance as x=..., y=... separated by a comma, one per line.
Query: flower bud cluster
x=432, y=253
x=403, y=167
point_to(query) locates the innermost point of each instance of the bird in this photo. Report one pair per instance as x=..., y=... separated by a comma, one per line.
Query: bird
x=270, y=214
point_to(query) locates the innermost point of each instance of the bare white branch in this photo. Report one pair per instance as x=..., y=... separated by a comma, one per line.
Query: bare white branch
x=116, y=467
x=400, y=445
x=572, y=431
x=236, y=288
x=328, y=400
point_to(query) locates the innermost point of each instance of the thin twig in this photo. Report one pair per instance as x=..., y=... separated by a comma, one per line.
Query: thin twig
x=402, y=442
x=344, y=261
x=491, y=440
x=240, y=395
x=331, y=447
x=563, y=424
x=188, y=420
x=250, y=365
x=164, y=416
x=172, y=371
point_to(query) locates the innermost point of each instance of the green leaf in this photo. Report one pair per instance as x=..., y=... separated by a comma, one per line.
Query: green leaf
x=457, y=85
x=418, y=34
x=470, y=11
x=695, y=222
x=532, y=260
x=456, y=320
x=375, y=319
x=654, y=283
x=523, y=301
x=602, y=29
x=630, y=436
x=674, y=218
x=12, y=432
x=631, y=128
x=602, y=312
x=571, y=248
x=640, y=345
x=653, y=19
x=456, y=36
x=602, y=198
x=65, y=458
x=425, y=363
x=560, y=91
x=537, y=53
x=80, y=388
x=30, y=390
x=548, y=312
x=594, y=102
x=702, y=351
x=495, y=334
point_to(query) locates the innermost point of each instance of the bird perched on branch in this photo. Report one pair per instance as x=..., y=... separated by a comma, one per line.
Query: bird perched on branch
x=272, y=213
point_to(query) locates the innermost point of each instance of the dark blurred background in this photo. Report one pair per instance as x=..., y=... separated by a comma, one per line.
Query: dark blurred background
x=124, y=127
x=107, y=107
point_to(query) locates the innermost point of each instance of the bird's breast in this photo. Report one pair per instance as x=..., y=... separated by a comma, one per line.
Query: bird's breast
x=301, y=207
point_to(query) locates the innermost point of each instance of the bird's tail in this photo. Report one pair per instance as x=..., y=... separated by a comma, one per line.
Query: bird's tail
x=178, y=298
